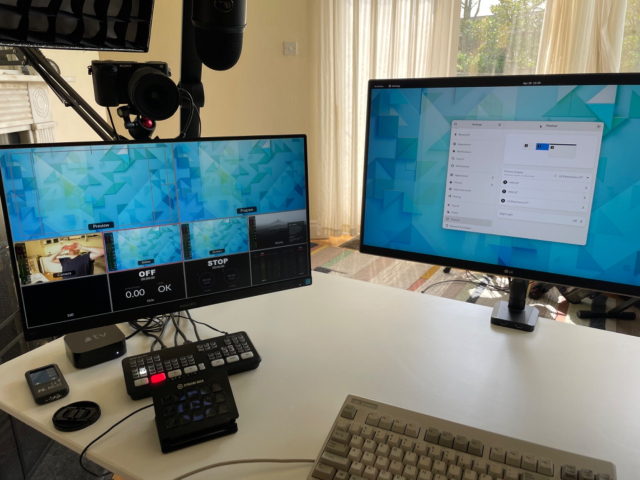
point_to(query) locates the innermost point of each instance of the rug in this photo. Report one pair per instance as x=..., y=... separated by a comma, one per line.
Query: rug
x=347, y=261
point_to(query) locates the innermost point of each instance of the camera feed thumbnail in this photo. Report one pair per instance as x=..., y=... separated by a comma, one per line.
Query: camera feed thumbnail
x=54, y=259
x=278, y=229
x=141, y=247
x=215, y=237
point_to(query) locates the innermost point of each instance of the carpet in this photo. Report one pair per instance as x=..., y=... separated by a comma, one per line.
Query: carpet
x=347, y=261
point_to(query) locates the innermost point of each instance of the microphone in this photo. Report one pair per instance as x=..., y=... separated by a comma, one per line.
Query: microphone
x=219, y=27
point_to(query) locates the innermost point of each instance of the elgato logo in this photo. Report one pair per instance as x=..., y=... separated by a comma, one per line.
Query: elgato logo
x=97, y=336
x=184, y=385
x=218, y=262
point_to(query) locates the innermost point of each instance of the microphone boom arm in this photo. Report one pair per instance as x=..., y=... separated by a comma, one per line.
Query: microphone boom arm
x=190, y=74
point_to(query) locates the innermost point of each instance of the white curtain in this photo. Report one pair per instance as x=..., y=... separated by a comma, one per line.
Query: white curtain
x=582, y=36
x=362, y=40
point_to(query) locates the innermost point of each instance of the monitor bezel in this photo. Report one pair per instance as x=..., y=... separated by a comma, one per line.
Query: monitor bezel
x=495, y=81
x=112, y=318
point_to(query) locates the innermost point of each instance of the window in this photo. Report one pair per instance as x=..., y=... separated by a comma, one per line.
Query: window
x=631, y=40
x=500, y=36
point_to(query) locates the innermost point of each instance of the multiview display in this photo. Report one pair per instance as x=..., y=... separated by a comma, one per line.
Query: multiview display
x=98, y=229
x=543, y=178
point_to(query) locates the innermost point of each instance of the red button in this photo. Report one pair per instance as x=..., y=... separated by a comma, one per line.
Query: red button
x=158, y=377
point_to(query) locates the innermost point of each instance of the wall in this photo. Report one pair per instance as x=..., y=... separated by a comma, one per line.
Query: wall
x=266, y=92
x=72, y=63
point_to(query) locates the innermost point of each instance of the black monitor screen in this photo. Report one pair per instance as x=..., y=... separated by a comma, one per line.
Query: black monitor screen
x=534, y=177
x=103, y=233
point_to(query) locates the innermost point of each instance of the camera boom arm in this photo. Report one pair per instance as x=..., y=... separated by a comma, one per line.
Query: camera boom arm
x=66, y=93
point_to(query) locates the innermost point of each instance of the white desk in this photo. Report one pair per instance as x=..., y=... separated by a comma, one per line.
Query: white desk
x=573, y=388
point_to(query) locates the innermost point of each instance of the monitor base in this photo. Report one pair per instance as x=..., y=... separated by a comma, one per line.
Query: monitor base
x=617, y=313
x=525, y=320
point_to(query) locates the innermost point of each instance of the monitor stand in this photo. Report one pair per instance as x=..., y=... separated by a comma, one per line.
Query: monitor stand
x=617, y=313
x=515, y=313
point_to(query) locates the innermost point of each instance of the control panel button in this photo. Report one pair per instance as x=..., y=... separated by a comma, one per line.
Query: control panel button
x=246, y=355
x=158, y=377
x=233, y=358
x=190, y=369
x=175, y=373
x=217, y=363
x=141, y=382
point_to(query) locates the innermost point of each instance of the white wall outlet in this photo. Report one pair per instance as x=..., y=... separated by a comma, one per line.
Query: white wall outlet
x=290, y=48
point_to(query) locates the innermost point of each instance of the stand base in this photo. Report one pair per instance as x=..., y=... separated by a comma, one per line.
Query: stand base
x=525, y=319
x=586, y=314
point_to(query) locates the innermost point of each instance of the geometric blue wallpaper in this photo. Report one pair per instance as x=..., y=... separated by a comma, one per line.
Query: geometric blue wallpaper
x=407, y=167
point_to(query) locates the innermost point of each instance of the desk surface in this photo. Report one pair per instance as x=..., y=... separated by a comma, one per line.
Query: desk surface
x=572, y=388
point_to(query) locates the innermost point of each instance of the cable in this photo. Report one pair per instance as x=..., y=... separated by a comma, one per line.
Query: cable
x=193, y=108
x=206, y=325
x=113, y=125
x=250, y=460
x=178, y=331
x=95, y=440
x=195, y=328
x=154, y=328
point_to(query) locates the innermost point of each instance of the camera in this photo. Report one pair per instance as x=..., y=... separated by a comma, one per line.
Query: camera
x=146, y=87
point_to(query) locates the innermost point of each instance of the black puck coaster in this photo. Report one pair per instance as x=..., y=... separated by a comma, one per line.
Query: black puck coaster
x=76, y=416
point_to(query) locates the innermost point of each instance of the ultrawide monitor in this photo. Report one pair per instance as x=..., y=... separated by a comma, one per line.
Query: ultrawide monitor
x=102, y=233
x=532, y=177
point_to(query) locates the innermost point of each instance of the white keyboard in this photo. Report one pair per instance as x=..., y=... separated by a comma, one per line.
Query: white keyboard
x=374, y=441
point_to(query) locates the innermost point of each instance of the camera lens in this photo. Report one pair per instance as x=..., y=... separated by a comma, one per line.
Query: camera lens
x=153, y=94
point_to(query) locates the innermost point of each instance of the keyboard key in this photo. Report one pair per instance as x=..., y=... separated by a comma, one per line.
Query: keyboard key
x=480, y=466
x=382, y=463
x=210, y=412
x=383, y=450
x=368, y=458
x=410, y=472
x=323, y=472
x=449, y=457
x=421, y=448
x=435, y=453
x=233, y=359
x=497, y=454
x=511, y=474
x=396, y=454
x=439, y=467
x=446, y=439
x=370, y=473
x=141, y=382
x=529, y=462
x=460, y=443
x=464, y=462
x=485, y=477
x=454, y=472
x=222, y=409
x=380, y=436
x=569, y=472
x=340, y=475
x=342, y=425
x=424, y=463
x=399, y=426
x=197, y=415
x=385, y=422
x=513, y=458
x=356, y=469
x=335, y=461
x=425, y=475
x=410, y=458
x=348, y=412
x=495, y=470
x=545, y=467
x=367, y=432
x=369, y=446
x=586, y=474
x=171, y=423
x=246, y=355
x=469, y=475
x=337, y=448
x=355, y=454
x=476, y=448
x=396, y=468
x=220, y=397
x=356, y=442
x=406, y=444
x=385, y=476
x=432, y=435
x=175, y=373
x=355, y=428
x=217, y=363
x=373, y=419
x=340, y=437
x=603, y=476
x=394, y=440
x=191, y=369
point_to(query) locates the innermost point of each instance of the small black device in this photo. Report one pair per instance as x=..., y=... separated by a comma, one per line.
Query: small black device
x=47, y=384
x=195, y=410
x=233, y=353
x=145, y=86
x=76, y=416
x=92, y=347
x=219, y=30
